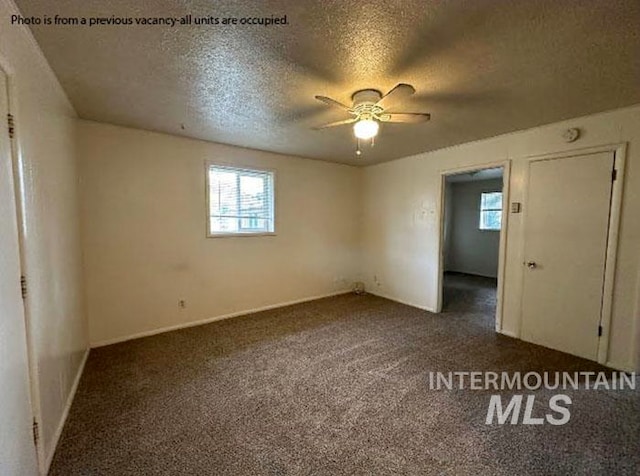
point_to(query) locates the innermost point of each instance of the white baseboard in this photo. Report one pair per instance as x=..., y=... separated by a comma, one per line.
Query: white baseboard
x=401, y=301
x=208, y=320
x=65, y=413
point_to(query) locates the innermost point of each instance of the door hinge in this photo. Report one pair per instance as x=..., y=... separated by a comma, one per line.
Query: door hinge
x=11, y=126
x=614, y=175
x=23, y=286
x=36, y=433
x=599, y=331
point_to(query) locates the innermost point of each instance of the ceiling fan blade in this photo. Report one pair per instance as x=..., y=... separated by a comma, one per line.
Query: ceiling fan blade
x=332, y=102
x=399, y=93
x=337, y=123
x=407, y=117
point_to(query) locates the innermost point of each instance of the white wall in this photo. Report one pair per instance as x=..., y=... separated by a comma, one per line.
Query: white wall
x=144, y=223
x=469, y=249
x=402, y=206
x=46, y=123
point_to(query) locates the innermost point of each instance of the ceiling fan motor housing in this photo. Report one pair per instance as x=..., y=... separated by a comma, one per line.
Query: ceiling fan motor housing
x=365, y=104
x=364, y=96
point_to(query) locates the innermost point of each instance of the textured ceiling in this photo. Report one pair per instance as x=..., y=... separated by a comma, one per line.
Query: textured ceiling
x=481, y=68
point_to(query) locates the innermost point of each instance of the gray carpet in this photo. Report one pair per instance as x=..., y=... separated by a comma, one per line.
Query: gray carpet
x=336, y=386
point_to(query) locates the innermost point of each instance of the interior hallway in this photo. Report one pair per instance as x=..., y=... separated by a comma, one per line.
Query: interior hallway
x=334, y=386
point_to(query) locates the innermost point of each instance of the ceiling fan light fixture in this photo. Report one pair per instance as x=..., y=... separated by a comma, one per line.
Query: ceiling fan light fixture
x=366, y=129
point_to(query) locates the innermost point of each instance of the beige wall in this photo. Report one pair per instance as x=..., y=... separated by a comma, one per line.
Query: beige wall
x=144, y=222
x=46, y=123
x=401, y=210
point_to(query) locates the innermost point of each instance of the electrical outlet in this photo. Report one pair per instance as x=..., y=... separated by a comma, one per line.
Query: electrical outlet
x=182, y=304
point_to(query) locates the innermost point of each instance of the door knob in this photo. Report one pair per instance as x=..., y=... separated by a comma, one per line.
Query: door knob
x=531, y=265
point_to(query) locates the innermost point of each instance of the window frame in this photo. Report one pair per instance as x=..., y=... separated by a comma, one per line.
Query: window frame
x=250, y=168
x=480, y=210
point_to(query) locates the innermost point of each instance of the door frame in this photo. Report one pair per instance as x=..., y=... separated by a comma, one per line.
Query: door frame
x=619, y=151
x=502, y=250
x=17, y=161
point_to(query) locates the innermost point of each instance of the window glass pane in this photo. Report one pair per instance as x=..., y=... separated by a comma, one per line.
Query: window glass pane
x=490, y=219
x=491, y=200
x=223, y=194
x=252, y=196
x=223, y=225
x=254, y=223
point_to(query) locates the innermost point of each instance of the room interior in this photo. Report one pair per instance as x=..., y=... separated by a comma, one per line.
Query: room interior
x=471, y=238
x=224, y=249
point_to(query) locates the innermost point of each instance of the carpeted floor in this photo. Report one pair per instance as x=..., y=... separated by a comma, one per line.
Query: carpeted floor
x=336, y=386
x=473, y=295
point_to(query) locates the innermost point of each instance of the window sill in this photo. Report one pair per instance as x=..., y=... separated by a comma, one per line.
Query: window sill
x=243, y=235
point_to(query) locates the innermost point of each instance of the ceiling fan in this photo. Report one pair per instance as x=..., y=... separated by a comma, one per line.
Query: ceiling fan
x=370, y=108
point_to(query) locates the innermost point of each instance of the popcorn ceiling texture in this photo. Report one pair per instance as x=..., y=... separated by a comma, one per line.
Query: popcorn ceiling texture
x=336, y=386
x=480, y=68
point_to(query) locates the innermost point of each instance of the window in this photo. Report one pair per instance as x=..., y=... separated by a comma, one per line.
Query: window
x=240, y=201
x=490, y=210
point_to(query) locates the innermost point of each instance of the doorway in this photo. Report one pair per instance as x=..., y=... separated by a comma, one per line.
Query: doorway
x=472, y=222
x=483, y=293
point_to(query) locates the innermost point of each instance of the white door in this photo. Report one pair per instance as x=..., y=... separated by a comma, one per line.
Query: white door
x=17, y=450
x=566, y=232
